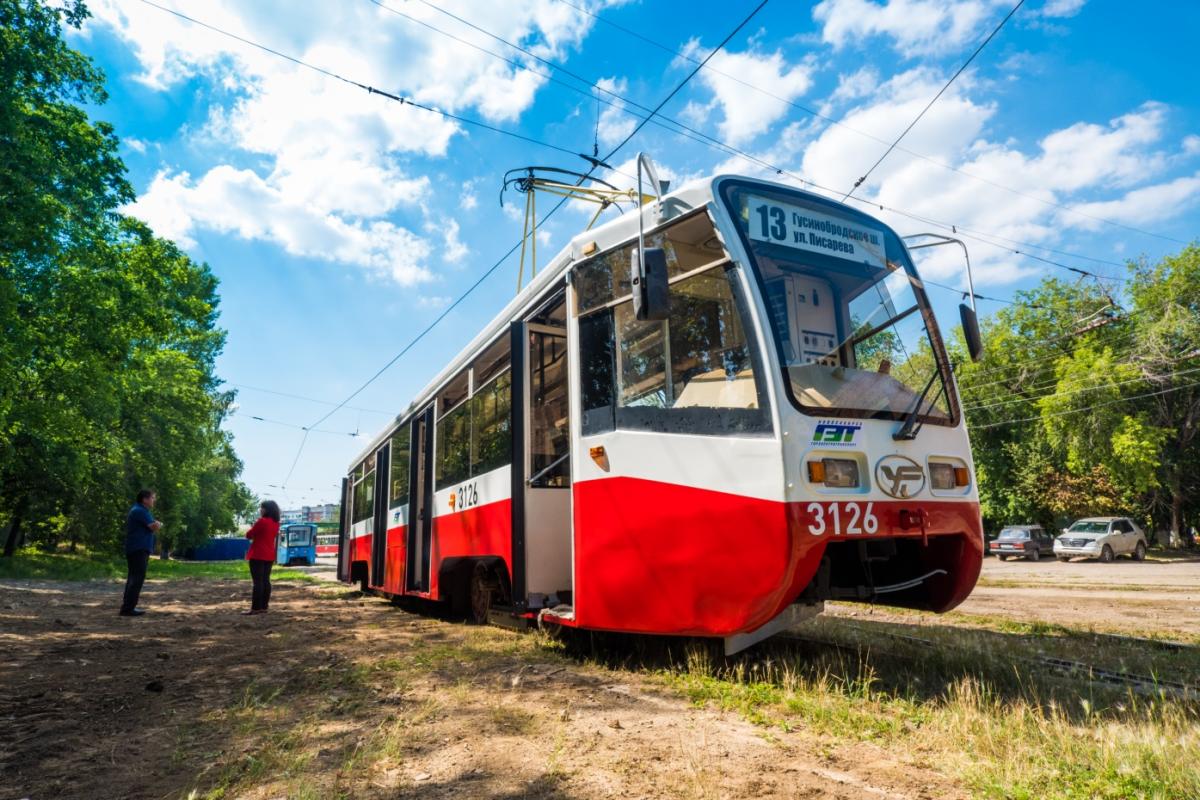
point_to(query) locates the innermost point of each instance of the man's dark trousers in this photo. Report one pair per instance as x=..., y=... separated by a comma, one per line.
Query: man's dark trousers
x=137, y=576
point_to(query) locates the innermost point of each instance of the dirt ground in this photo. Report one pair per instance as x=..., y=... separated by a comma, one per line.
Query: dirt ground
x=335, y=695
x=1130, y=597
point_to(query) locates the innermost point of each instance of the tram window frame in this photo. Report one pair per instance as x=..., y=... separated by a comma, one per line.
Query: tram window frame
x=400, y=456
x=498, y=424
x=599, y=352
x=449, y=439
x=363, y=492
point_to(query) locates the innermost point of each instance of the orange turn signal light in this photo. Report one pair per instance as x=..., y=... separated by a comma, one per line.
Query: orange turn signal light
x=816, y=471
x=961, y=478
x=600, y=456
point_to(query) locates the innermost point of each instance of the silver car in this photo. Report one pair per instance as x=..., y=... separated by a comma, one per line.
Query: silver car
x=1104, y=538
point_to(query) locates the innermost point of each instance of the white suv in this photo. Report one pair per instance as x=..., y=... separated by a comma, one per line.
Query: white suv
x=1104, y=538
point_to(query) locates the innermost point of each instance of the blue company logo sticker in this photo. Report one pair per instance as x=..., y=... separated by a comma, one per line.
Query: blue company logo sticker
x=836, y=434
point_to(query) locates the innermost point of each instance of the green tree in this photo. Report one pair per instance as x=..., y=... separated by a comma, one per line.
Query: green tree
x=110, y=334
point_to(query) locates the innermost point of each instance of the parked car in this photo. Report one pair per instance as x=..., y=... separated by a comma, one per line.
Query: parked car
x=1104, y=538
x=1022, y=541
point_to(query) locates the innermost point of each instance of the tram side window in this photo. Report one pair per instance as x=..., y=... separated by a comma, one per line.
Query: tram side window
x=453, y=463
x=491, y=431
x=692, y=373
x=364, y=490
x=399, y=473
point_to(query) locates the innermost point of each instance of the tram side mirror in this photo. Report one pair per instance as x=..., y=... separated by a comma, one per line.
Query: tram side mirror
x=970, y=326
x=648, y=276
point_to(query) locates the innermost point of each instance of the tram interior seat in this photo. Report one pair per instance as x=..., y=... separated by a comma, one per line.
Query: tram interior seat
x=716, y=389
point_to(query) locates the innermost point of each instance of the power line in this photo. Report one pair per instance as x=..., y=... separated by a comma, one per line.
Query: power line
x=513, y=249
x=728, y=149
x=1087, y=408
x=365, y=87
x=269, y=421
x=309, y=399
x=941, y=91
x=699, y=136
x=1082, y=390
x=841, y=124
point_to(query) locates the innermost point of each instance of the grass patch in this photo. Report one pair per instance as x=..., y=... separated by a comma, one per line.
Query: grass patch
x=36, y=565
x=974, y=704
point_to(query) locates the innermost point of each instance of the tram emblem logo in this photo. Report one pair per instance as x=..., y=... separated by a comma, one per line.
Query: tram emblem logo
x=899, y=476
x=837, y=434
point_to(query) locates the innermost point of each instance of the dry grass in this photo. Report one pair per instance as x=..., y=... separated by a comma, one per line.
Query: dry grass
x=983, y=716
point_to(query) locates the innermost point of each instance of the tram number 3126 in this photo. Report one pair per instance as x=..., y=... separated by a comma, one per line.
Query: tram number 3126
x=841, y=519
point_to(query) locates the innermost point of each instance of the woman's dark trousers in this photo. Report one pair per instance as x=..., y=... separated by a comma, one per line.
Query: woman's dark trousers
x=260, y=573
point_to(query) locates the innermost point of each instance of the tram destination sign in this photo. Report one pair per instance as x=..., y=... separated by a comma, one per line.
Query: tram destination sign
x=805, y=229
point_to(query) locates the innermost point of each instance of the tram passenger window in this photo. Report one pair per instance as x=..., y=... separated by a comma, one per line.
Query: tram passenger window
x=453, y=462
x=596, y=372
x=399, y=470
x=491, y=433
x=693, y=373
x=364, y=490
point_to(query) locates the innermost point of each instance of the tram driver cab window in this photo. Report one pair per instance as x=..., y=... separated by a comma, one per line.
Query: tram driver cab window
x=855, y=334
x=697, y=371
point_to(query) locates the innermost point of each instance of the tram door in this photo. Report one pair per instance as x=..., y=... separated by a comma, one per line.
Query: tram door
x=383, y=464
x=344, y=540
x=420, y=521
x=545, y=512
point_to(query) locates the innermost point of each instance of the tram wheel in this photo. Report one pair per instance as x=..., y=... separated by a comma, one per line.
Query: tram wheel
x=483, y=589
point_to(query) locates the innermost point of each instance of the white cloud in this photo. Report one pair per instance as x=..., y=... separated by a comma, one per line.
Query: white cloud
x=470, y=197
x=746, y=113
x=1078, y=166
x=1191, y=145
x=308, y=146
x=1148, y=204
x=916, y=27
x=240, y=203
x=454, y=250
x=1061, y=8
x=615, y=124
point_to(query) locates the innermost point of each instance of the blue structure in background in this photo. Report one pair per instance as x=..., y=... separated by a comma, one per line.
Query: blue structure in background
x=219, y=550
x=297, y=544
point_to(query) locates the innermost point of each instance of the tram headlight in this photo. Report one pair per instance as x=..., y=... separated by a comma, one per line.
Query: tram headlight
x=941, y=476
x=838, y=473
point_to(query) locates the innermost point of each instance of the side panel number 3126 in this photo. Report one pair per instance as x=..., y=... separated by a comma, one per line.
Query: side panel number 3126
x=841, y=519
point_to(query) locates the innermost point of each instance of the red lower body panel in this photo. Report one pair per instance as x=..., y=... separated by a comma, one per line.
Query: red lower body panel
x=660, y=558
x=482, y=531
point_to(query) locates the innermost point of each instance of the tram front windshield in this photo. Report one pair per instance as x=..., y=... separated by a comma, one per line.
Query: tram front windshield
x=855, y=337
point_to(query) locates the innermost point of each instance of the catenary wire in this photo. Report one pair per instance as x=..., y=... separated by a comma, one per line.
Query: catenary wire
x=513, y=249
x=309, y=399
x=1081, y=390
x=842, y=124
x=625, y=104
x=1087, y=408
x=941, y=91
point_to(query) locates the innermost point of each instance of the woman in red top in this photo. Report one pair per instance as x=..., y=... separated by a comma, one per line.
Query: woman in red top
x=261, y=555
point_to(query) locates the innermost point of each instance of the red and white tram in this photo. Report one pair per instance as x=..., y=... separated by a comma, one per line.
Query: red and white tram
x=789, y=433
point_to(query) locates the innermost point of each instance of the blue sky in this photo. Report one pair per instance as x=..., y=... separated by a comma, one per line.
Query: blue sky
x=340, y=224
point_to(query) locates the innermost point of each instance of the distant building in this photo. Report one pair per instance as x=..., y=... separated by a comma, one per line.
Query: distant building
x=329, y=512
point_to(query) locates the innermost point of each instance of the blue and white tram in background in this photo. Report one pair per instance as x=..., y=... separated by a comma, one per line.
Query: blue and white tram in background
x=764, y=419
x=297, y=544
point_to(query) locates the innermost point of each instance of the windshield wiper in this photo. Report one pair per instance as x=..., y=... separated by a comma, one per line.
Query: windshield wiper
x=911, y=428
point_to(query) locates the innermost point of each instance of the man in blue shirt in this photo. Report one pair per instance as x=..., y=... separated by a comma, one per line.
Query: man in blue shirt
x=140, y=527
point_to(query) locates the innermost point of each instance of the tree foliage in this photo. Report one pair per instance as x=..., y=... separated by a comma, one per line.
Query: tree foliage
x=110, y=333
x=1085, y=403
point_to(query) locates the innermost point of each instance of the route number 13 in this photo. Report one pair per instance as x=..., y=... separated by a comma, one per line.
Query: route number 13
x=828, y=518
